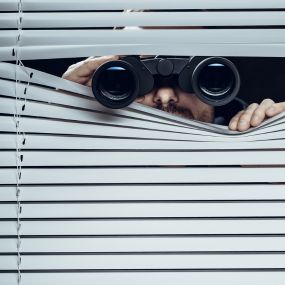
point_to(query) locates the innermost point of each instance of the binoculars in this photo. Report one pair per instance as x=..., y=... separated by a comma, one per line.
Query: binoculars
x=116, y=84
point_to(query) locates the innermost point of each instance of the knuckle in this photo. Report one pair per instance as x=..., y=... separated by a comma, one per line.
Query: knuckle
x=253, y=106
x=267, y=101
x=259, y=112
x=247, y=113
x=245, y=117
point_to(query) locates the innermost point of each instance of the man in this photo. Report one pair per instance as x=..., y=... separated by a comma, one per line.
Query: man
x=178, y=102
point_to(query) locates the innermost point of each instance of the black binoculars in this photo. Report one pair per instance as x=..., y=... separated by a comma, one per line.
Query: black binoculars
x=116, y=84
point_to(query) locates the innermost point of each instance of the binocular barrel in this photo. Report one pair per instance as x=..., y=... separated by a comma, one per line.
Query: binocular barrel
x=215, y=80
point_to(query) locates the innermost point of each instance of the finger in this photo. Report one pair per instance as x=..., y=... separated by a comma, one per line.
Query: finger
x=92, y=64
x=244, y=120
x=75, y=78
x=82, y=71
x=89, y=82
x=234, y=121
x=275, y=109
x=259, y=115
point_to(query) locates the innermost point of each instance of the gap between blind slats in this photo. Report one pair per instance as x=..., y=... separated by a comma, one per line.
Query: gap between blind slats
x=147, y=244
x=153, y=158
x=174, y=227
x=143, y=175
x=112, y=19
x=54, y=5
x=144, y=210
x=118, y=193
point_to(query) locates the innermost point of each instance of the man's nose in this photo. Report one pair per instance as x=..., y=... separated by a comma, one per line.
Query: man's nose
x=165, y=96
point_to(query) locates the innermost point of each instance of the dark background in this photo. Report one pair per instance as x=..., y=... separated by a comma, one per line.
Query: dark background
x=260, y=78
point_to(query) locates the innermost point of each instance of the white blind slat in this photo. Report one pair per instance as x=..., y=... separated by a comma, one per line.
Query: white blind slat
x=145, y=210
x=60, y=127
x=146, y=37
x=8, y=5
x=8, y=228
x=245, y=43
x=144, y=244
x=85, y=116
x=141, y=278
x=152, y=158
x=67, y=51
x=143, y=175
x=43, y=110
x=112, y=19
x=203, y=192
x=74, y=100
x=52, y=142
x=146, y=227
x=148, y=4
x=193, y=261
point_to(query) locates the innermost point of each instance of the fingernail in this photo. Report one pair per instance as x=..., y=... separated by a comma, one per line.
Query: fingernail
x=242, y=122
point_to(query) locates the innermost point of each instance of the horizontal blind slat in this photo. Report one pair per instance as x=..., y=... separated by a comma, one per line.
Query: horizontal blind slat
x=40, y=125
x=51, y=96
x=146, y=244
x=205, y=43
x=109, y=262
x=145, y=227
x=46, y=110
x=153, y=158
x=67, y=51
x=45, y=126
x=111, y=19
x=70, y=114
x=53, y=142
x=203, y=192
x=145, y=37
x=143, y=175
x=141, y=278
x=148, y=4
x=144, y=210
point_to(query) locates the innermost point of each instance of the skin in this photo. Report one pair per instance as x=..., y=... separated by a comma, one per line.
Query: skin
x=178, y=102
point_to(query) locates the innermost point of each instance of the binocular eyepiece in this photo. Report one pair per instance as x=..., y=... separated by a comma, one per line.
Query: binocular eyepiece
x=215, y=80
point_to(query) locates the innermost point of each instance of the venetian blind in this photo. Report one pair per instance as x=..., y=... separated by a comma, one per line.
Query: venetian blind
x=98, y=196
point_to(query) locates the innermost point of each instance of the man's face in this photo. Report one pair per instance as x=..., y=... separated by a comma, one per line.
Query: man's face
x=175, y=101
x=178, y=102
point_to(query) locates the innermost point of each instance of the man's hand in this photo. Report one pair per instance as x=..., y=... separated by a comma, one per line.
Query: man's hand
x=255, y=114
x=82, y=71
